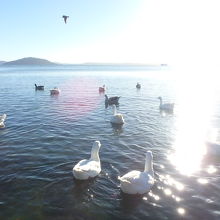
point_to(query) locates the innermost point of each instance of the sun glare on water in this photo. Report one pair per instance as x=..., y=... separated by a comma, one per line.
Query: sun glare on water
x=195, y=98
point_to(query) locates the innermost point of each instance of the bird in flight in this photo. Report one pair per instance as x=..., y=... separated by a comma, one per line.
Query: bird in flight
x=65, y=18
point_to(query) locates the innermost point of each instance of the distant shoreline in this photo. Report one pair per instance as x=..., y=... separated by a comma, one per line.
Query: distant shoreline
x=31, y=61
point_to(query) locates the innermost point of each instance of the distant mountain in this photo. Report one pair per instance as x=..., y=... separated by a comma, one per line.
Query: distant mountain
x=1, y=62
x=29, y=61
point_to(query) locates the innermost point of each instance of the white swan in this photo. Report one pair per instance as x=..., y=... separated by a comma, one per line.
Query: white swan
x=116, y=118
x=213, y=148
x=2, y=119
x=102, y=89
x=166, y=106
x=136, y=182
x=55, y=91
x=85, y=169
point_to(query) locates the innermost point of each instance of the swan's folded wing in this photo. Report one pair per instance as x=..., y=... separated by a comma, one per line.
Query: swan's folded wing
x=86, y=166
x=2, y=118
x=130, y=177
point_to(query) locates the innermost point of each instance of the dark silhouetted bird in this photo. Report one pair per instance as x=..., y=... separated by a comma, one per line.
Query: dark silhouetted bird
x=65, y=18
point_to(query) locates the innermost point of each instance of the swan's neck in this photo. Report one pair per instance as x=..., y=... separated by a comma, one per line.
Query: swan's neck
x=161, y=102
x=95, y=154
x=114, y=110
x=148, y=166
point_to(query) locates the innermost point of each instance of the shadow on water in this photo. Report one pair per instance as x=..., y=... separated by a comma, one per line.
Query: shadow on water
x=81, y=187
x=117, y=129
x=129, y=203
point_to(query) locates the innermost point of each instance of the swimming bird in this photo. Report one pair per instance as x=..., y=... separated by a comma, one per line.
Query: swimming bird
x=102, y=89
x=167, y=106
x=112, y=100
x=136, y=182
x=39, y=87
x=116, y=118
x=138, y=86
x=213, y=148
x=86, y=169
x=65, y=18
x=55, y=91
x=2, y=119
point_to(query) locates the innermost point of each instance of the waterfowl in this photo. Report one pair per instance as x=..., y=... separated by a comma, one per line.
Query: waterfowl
x=116, y=118
x=39, y=87
x=136, y=182
x=102, y=89
x=86, y=169
x=2, y=119
x=213, y=148
x=65, y=18
x=166, y=106
x=55, y=91
x=111, y=100
x=138, y=86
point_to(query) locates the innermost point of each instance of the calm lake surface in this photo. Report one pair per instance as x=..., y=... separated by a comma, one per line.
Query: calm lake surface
x=45, y=136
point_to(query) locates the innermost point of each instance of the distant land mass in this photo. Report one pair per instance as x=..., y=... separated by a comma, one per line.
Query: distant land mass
x=29, y=61
x=32, y=61
x=122, y=64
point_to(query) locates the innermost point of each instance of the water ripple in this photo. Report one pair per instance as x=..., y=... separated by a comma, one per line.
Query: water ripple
x=46, y=135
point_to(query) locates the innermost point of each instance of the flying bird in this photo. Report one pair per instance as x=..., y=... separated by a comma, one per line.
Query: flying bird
x=65, y=18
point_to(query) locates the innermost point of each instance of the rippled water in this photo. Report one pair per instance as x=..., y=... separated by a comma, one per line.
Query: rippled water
x=45, y=136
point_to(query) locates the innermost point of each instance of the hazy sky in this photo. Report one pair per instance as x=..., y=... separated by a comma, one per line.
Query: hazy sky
x=140, y=31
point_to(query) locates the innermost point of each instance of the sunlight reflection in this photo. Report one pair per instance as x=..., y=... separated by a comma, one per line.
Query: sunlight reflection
x=178, y=199
x=168, y=192
x=156, y=197
x=212, y=134
x=181, y=211
x=195, y=105
x=211, y=169
x=202, y=181
x=162, y=166
x=168, y=180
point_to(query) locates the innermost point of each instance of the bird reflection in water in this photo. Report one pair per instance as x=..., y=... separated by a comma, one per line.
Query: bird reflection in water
x=117, y=129
x=81, y=189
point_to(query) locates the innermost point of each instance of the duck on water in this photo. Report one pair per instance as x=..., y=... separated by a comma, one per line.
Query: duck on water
x=38, y=87
x=112, y=100
x=55, y=91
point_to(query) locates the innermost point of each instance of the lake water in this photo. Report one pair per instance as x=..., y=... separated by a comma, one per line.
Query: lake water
x=45, y=136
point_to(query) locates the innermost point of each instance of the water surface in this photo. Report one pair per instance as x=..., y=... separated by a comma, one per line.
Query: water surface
x=45, y=136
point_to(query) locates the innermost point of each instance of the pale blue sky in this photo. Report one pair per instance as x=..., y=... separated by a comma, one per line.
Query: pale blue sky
x=36, y=28
x=143, y=31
